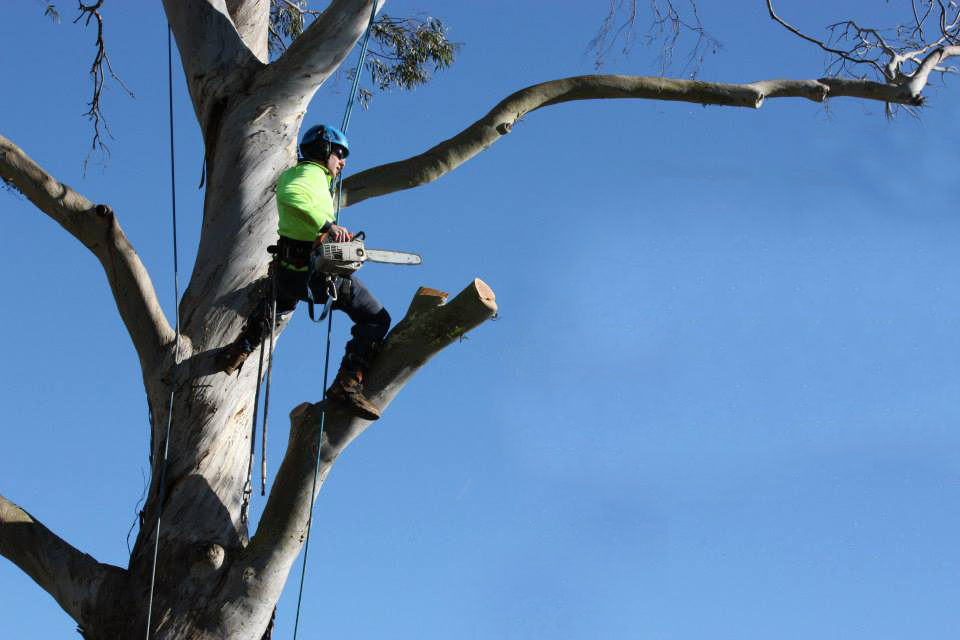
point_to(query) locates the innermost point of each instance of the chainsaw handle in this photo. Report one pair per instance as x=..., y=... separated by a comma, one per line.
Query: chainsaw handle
x=359, y=235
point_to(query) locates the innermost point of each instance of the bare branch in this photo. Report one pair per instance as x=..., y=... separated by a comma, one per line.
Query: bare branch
x=90, y=12
x=918, y=21
x=931, y=63
x=844, y=55
x=450, y=154
x=98, y=229
x=668, y=25
x=73, y=578
x=900, y=55
x=428, y=327
x=602, y=43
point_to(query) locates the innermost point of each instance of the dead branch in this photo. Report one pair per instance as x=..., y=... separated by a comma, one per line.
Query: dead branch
x=99, y=70
x=667, y=25
x=451, y=153
x=896, y=55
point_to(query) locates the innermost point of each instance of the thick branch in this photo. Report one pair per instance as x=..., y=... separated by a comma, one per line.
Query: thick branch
x=252, y=21
x=319, y=51
x=428, y=327
x=98, y=229
x=920, y=77
x=450, y=154
x=73, y=578
x=214, y=56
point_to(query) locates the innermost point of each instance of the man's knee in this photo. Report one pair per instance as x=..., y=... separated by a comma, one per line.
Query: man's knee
x=381, y=320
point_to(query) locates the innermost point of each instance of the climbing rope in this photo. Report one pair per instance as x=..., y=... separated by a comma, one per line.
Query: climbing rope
x=161, y=490
x=266, y=397
x=326, y=359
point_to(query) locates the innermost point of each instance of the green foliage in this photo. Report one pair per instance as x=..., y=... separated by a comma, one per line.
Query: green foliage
x=404, y=54
x=409, y=51
x=286, y=23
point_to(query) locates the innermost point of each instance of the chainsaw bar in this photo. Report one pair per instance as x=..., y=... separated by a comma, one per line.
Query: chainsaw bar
x=392, y=257
x=347, y=257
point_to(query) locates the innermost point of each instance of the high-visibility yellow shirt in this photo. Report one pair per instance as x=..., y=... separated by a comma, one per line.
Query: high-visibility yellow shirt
x=304, y=201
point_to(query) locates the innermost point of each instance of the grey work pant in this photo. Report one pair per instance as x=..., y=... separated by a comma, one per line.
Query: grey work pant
x=370, y=319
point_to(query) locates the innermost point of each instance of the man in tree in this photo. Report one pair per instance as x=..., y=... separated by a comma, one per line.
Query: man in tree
x=307, y=218
x=219, y=575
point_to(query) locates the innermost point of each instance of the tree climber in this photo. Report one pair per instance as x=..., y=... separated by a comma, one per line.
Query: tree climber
x=305, y=208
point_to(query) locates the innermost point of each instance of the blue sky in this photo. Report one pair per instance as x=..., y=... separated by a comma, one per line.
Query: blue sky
x=720, y=399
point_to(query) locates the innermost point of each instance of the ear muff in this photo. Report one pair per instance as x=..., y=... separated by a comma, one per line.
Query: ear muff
x=318, y=141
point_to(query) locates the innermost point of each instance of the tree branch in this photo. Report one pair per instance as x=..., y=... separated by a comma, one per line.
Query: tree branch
x=319, y=51
x=90, y=13
x=428, y=327
x=97, y=228
x=252, y=21
x=211, y=51
x=899, y=47
x=837, y=52
x=73, y=578
x=451, y=153
x=929, y=64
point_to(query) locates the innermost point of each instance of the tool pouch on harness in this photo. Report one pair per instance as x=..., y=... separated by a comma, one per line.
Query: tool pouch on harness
x=297, y=255
x=293, y=253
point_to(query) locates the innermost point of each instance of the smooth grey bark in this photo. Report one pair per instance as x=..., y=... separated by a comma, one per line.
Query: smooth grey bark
x=73, y=578
x=251, y=18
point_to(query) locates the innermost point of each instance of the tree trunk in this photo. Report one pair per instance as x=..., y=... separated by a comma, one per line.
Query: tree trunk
x=205, y=555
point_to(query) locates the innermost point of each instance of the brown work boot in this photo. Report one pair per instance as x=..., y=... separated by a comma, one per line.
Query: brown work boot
x=232, y=357
x=347, y=389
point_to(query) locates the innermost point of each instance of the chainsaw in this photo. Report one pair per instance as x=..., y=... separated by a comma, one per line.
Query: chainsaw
x=343, y=258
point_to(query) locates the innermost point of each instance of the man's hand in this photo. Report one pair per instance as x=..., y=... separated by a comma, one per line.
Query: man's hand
x=336, y=233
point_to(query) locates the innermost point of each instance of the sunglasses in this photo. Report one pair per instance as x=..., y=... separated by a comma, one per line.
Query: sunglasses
x=339, y=151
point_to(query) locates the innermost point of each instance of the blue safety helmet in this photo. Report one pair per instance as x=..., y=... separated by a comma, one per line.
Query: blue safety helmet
x=318, y=141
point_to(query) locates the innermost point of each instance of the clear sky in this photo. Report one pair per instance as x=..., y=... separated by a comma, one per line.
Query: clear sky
x=720, y=400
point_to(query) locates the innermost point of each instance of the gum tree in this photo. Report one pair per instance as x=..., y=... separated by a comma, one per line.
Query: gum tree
x=250, y=110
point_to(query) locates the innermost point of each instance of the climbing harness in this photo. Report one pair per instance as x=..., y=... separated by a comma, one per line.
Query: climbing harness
x=161, y=489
